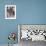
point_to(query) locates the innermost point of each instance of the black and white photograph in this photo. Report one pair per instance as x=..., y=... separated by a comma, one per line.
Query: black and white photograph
x=10, y=11
x=31, y=34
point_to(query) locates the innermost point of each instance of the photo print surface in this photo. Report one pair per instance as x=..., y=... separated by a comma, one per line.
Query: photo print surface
x=32, y=32
x=10, y=11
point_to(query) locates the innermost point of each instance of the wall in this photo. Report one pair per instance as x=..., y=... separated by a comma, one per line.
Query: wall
x=27, y=12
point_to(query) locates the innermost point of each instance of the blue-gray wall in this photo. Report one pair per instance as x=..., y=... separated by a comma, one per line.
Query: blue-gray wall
x=27, y=12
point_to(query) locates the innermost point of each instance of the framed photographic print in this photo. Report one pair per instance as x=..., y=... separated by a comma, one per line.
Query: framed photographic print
x=33, y=32
x=10, y=11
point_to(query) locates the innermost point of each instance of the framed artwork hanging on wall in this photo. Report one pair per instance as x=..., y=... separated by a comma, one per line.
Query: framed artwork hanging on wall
x=10, y=11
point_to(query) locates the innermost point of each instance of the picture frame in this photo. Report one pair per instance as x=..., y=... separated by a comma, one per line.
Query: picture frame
x=10, y=11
